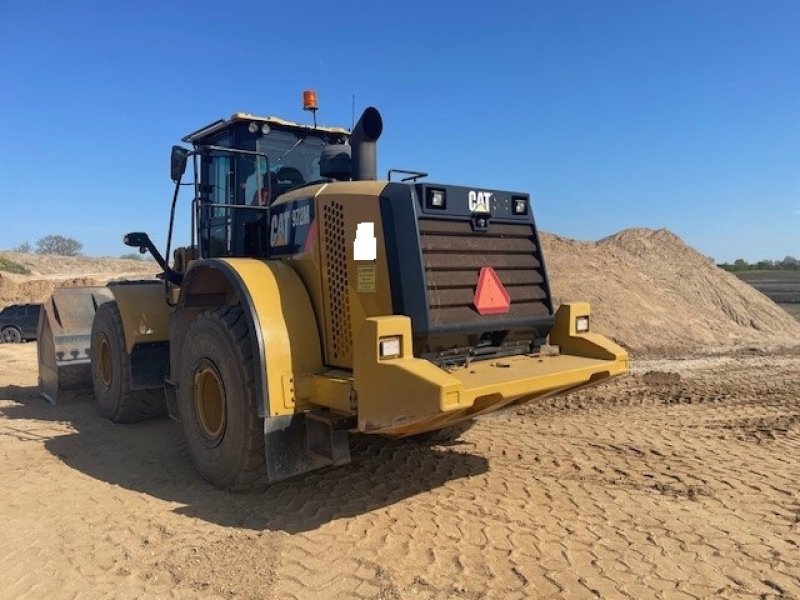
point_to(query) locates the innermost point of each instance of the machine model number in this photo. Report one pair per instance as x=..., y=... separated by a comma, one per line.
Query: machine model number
x=289, y=225
x=281, y=224
x=479, y=202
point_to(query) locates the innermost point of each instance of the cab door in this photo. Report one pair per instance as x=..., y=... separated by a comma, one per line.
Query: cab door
x=215, y=196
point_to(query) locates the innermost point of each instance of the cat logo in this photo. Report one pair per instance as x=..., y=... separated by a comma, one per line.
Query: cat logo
x=284, y=225
x=279, y=229
x=479, y=201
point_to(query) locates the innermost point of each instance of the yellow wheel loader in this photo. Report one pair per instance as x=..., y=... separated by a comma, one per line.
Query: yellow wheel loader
x=315, y=301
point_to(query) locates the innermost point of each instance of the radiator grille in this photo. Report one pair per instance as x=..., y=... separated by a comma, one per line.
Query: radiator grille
x=453, y=254
x=340, y=342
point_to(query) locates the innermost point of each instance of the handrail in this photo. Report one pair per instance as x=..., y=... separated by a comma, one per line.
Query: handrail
x=414, y=175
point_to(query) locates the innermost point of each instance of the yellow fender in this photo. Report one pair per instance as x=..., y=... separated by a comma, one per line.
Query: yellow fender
x=144, y=311
x=285, y=335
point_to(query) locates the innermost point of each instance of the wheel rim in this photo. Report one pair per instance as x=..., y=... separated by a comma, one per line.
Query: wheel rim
x=209, y=403
x=105, y=362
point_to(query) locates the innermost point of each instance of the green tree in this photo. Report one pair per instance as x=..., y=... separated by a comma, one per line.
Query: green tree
x=58, y=244
x=765, y=265
x=790, y=263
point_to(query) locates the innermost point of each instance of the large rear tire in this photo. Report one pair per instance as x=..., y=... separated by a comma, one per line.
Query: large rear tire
x=217, y=400
x=111, y=372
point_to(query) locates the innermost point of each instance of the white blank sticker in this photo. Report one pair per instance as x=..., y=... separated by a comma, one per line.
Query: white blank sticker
x=365, y=247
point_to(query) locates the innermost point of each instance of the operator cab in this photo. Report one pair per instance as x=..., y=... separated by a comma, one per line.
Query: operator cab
x=242, y=165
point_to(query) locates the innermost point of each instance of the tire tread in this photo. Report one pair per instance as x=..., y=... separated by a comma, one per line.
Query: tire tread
x=132, y=406
x=252, y=474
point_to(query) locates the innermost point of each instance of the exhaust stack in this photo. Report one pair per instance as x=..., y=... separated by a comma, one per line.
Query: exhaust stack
x=362, y=141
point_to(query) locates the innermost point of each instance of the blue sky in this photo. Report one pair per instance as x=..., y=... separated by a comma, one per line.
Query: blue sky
x=681, y=114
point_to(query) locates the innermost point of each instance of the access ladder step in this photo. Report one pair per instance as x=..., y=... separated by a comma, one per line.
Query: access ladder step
x=327, y=437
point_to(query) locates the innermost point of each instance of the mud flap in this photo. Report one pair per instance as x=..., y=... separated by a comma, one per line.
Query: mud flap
x=302, y=442
x=64, y=338
x=149, y=365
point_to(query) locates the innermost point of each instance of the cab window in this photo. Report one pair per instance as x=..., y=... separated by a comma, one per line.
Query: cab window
x=217, y=167
x=293, y=160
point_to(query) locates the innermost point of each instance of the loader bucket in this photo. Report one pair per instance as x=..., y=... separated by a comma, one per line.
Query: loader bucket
x=64, y=334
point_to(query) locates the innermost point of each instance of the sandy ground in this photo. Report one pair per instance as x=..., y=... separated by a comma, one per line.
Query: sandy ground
x=677, y=482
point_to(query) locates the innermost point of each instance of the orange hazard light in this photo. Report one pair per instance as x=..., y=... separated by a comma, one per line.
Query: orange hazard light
x=491, y=297
x=309, y=100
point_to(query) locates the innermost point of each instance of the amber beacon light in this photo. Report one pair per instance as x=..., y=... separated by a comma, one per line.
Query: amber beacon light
x=310, y=100
x=310, y=103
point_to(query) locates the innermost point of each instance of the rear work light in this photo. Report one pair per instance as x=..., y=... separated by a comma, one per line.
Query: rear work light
x=436, y=199
x=389, y=347
x=520, y=206
x=582, y=324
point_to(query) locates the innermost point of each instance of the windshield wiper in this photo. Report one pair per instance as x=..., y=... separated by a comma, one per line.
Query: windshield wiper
x=296, y=144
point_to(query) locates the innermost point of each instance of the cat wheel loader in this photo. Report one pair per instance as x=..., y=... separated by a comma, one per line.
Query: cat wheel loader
x=314, y=300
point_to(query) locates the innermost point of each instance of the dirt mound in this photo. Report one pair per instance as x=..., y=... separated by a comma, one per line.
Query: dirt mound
x=653, y=293
x=38, y=290
x=49, y=272
x=49, y=265
x=649, y=291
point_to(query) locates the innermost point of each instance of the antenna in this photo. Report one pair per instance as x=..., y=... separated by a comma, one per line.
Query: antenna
x=352, y=112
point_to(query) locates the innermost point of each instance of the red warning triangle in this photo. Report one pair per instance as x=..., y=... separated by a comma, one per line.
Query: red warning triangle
x=491, y=298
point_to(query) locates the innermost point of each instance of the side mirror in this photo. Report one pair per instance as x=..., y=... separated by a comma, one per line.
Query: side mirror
x=141, y=240
x=136, y=239
x=177, y=162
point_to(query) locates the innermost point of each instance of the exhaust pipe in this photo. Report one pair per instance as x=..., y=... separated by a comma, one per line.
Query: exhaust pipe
x=362, y=142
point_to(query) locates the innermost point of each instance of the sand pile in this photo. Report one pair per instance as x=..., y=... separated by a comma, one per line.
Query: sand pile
x=38, y=290
x=653, y=293
x=49, y=272
x=649, y=291
x=49, y=265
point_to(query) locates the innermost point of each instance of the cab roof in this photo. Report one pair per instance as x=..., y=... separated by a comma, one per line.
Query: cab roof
x=221, y=124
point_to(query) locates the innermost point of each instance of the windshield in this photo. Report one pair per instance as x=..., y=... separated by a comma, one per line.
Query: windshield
x=293, y=160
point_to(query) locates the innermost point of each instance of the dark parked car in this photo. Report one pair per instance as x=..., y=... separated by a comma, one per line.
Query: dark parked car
x=18, y=322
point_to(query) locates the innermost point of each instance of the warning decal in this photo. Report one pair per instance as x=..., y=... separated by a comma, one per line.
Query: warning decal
x=365, y=279
x=491, y=297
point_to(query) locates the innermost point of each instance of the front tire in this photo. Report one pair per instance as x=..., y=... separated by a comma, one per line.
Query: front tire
x=217, y=400
x=10, y=335
x=111, y=372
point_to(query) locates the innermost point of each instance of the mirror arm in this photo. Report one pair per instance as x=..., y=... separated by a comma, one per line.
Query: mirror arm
x=169, y=274
x=145, y=244
x=172, y=214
